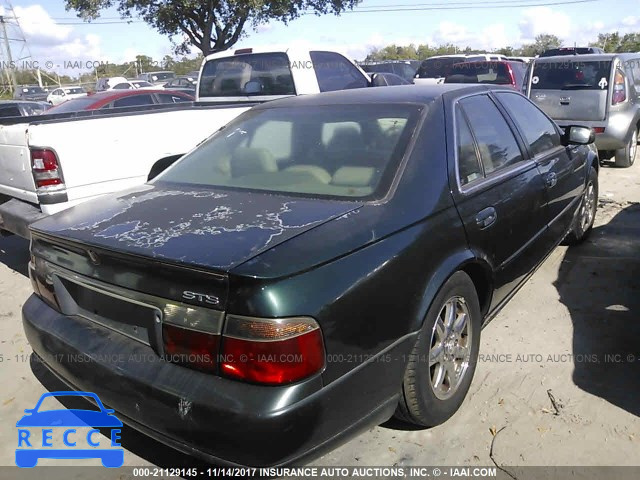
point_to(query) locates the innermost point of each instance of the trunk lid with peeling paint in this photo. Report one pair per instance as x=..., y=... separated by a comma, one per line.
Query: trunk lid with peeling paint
x=212, y=229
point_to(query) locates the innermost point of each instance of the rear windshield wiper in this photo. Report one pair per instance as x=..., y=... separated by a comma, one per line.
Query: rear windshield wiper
x=576, y=86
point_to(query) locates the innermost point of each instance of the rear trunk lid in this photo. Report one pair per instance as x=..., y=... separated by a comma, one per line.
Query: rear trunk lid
x=572, y=90
x=214, y=230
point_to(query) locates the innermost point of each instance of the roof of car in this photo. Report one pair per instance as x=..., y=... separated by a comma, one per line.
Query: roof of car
x=588, y=57
x=423, y=94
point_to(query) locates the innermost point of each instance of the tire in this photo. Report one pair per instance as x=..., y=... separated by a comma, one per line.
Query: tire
x=627, y=155
x=583, y=223
x=425, y=401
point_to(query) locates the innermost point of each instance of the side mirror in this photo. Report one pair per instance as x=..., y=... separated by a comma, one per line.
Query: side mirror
x=377, y=81
x=253, y=87
x=576, y=135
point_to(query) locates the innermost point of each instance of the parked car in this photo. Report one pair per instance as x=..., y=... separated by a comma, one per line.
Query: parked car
x=434, y=69
x=156, y=135
x=107, y=83
x=122, y=98
x=62, y=94
x=21, y=108
x=521, y=59
x=134, y=85
x=494, y=73
x=601, y=91
x=30, y=92
x=183, y=83
x=383, y=79
x=228, y=284
x=157, y=78
x=555, y=52
x=401, y=68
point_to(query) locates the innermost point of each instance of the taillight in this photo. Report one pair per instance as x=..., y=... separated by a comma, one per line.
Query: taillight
x=192, y=348
x=619, y=90
x=271, y=351
x=598, y=129
x=45, y=167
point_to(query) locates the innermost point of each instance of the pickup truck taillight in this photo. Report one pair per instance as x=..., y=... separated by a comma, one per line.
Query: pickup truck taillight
x=619, y=90
x=256, y=350
x=45, y=167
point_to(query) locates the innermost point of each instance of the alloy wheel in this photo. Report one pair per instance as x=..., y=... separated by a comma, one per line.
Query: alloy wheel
x=450, y=350
x=588, y=212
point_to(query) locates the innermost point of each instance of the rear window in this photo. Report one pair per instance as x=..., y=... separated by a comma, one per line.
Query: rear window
x=161, y=76
x=494, y=73
x=437, y=67
x=74, y=105
x=246, y=75
x=344, y=151
x=571, y=75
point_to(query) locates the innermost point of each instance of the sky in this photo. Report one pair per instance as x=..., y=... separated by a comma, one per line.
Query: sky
x=52, y=41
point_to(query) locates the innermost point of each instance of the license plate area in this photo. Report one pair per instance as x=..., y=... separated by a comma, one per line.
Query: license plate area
x=134, y=319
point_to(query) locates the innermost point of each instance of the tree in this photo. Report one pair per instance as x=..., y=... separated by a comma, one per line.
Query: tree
x=209, y=25
x=609, y=42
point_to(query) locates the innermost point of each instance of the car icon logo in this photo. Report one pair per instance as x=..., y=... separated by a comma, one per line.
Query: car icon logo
x=64, y=420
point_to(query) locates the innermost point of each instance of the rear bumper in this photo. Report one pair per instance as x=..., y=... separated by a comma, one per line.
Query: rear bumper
x=213, y=418
x=16, y=216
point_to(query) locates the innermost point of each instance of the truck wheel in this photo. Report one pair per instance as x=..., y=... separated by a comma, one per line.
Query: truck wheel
x=627, y=155
x=583, y=223
x=443, y=360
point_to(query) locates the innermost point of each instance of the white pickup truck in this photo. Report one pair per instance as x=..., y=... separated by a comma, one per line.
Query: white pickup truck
x=52, y=162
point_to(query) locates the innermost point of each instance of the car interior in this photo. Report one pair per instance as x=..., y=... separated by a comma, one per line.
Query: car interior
x=336, y=158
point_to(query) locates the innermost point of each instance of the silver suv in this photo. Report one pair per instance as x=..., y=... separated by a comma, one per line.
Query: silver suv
x=601, y=91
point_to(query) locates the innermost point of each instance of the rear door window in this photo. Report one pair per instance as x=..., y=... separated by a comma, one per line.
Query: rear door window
x=334, y=72
x=496, y=143
x=571, y=75
x=247, y=74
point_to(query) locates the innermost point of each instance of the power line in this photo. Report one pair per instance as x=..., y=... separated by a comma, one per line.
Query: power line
x=417, y=7
x=447, y=6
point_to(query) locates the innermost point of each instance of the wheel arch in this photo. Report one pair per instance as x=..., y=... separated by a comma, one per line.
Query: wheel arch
x=476, y=268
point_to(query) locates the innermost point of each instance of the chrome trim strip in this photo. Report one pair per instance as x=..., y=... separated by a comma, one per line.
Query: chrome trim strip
x=199, y=319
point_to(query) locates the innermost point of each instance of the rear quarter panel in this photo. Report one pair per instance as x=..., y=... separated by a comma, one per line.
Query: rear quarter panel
x=369, y=276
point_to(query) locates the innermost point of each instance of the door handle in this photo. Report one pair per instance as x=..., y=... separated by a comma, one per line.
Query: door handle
x=487, y=217
x=551, y=179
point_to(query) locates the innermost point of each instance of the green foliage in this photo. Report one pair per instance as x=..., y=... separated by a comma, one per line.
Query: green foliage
x=614, y=43
x=209, y=25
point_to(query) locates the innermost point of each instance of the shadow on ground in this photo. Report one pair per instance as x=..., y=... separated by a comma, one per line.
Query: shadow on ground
x=14, y=253
x=599, y=282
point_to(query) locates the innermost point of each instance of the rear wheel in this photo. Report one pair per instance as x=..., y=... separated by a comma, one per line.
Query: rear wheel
x=583, y=223
x=443, y=360
x=626, y=156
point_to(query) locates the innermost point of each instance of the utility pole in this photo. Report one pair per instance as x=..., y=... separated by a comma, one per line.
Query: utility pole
x=10, y=71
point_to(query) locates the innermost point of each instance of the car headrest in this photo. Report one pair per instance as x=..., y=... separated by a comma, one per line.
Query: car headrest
x=353, y=176
x=319, y=173
x=345, y=137
x=247, y=161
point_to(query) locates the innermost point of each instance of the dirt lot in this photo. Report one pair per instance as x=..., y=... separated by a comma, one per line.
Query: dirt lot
x=572, y=334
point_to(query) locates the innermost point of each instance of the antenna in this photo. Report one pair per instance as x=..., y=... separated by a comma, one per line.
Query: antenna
x=16, y=53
